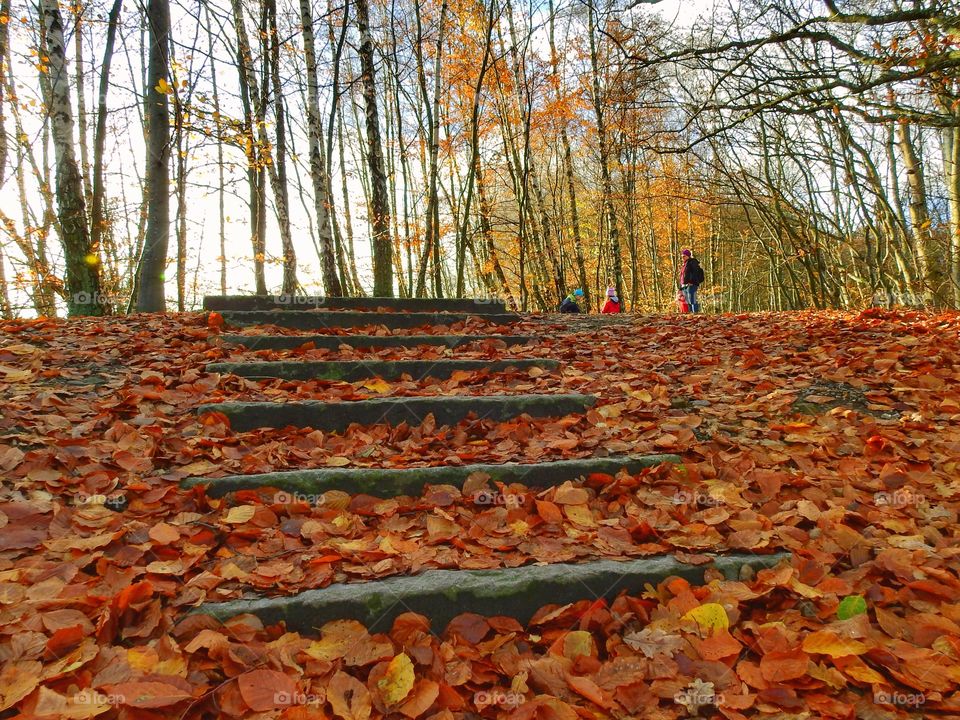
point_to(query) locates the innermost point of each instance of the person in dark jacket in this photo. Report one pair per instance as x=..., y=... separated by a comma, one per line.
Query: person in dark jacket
x=570, y=303
x=691, y=277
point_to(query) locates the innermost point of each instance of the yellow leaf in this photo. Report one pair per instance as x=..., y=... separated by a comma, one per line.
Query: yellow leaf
x=336, y=638
x=163, y=87
x=577, y=643
x=829, y=643
x=579, y=515
x=338, y=461
x=864, y=673
x=709, y=615
x=398, y=682
x=240, y=514
x=377, y=385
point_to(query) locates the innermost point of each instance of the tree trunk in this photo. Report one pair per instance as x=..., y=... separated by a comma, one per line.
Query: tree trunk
x=277, y=166
x=4, y=39
x=318, y=166
x=6, y=310
x=607, y=185
x=97, y=220
x=379, y=201
x=221, y=187
x=933, y=264
x=153, y=264
x=83, y=266
x=255, y=174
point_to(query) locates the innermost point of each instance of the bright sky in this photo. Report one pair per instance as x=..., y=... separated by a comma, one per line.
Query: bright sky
x=682, y=12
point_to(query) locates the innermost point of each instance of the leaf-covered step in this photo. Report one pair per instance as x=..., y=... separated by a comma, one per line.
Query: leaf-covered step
x=474, y=306
x=446, y=410
x=411, y=481
x=332, y=342
x=441, y=595
x=322, y=319
x=351, y=370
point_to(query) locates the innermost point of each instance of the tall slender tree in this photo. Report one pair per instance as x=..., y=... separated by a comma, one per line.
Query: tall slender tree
x=322, y=196
x=379, y=197
x=84, y=295
x=153, y=262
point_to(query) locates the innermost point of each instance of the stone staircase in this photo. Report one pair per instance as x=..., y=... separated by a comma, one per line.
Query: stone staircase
x=439, y=594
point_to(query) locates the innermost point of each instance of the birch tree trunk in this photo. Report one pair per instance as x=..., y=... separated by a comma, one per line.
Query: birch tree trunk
x=432, y=109
x=318, y=165
x=255, y=171
x=379, y=201
x=933, y=264
x=607, y=189
x=83, y=266
x=97, y=220
x=278, y=167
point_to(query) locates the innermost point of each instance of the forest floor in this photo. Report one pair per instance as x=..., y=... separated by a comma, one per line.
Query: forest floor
x=832, y=436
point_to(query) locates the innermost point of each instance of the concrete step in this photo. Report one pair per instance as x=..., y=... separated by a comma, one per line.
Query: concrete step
x=474, y=306
x=351, y=370
x=322, y=319
x=332, y=342
x=446, y=410
x=411, y=481
x=441, y=595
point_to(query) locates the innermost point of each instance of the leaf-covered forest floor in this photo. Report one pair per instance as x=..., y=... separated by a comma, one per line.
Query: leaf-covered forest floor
x=833, y=436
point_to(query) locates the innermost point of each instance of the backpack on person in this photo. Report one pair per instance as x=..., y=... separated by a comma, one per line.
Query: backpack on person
x=695, y=271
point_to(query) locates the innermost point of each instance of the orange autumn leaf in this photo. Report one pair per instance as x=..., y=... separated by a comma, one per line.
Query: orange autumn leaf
x=423, y=695
x=147, y=694
x=825, y=642
x=264, y=689
x=348, y=697
x=782, y=665
x=719, y=645
x=585, y=687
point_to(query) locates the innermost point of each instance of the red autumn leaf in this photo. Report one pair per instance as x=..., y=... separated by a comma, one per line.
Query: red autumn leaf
x=146, y=694
x=348, y=697
x=423, y=695
x=780, y=666
x=264, y=689
x=721, y=644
